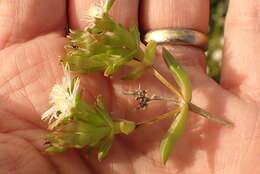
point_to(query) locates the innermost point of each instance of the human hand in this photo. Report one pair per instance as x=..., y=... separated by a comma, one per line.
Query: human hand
x=31, y=39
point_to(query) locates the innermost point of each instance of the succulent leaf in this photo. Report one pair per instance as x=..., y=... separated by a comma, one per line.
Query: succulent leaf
x=173, y=134
x=178, y=125
x=104, y=147
x=179, y=75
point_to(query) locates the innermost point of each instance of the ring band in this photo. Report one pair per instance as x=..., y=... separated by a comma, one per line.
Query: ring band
x=178, y=37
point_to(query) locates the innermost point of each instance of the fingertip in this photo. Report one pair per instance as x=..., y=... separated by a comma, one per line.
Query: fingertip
x=174, y=14
x=124, y=12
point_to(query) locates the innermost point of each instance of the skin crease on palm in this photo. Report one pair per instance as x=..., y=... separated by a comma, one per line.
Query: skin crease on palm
x=31, y=39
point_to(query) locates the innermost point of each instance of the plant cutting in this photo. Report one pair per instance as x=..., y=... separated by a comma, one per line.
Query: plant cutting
x=106, y=46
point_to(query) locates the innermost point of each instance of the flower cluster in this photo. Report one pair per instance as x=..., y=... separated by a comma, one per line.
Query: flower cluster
x=77, y=124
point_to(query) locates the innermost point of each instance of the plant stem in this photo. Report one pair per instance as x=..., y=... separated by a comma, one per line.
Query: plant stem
x=160, y=77
x=159, y=118
x=166, y=83
x=192, y=107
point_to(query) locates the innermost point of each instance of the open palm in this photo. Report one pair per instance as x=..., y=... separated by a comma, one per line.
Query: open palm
x=31, y=39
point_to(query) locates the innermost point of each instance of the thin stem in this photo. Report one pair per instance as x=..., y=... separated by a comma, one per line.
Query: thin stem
x=159, y=118
x=208, y=115
x=166, y=83
x=160, y=78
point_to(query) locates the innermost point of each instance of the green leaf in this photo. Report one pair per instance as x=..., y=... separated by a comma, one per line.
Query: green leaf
x=135, y=73
x=55, y=149
x=180, y=76
x=177, y=127
x=135, y=34
x=101, y=109
x=90, y=134
x=149, y=53
x=108, y=5
x=173, y=134
x=86, y=112
x=119, y=63
x=146, y=62
x=206, y=114
x=124, y=126
x=104, y=147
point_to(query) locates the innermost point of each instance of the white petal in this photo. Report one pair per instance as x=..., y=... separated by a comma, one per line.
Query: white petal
x=48, y=113
x=62, y=98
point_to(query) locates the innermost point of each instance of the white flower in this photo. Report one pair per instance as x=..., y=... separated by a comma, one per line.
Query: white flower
x=94, y=12
x=63, y=99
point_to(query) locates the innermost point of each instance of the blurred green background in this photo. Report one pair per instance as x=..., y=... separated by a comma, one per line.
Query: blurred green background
x=215, y=47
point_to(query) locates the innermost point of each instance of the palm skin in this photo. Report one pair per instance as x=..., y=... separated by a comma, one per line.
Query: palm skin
x=30, y=45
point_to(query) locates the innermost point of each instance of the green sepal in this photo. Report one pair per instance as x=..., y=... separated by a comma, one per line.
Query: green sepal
x=173, y=134
x=108, y=5
x=101, y=109
x=179, y=74
x=124, y=126
x=91, y=134
x=86, y=112
x=119, y=63
x=149, y=53
x=147, y=59
x=135, y=34
x=135, y=73
x=55, y=149
x=104, y=147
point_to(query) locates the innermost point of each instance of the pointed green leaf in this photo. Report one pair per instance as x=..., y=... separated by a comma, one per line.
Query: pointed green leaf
x=101, y=109
x=86, y=112
x=149, y=53
x=119, y=63
x=173, y=134
x=108, y=5
x=134, y=74
x=90, y=134
x=135, y=33
x=104, y=147
x=179, y=74
x=55, y=149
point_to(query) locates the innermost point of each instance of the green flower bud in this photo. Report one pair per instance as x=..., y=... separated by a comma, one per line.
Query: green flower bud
x=124, y=126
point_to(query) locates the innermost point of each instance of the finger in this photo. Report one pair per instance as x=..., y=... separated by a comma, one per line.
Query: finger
x=175, y=14
x=171, y=14
x=23, y=20
x=78, y=9
x=240, y=70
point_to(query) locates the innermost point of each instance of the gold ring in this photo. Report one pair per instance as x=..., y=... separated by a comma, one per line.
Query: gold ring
x=178, y=37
